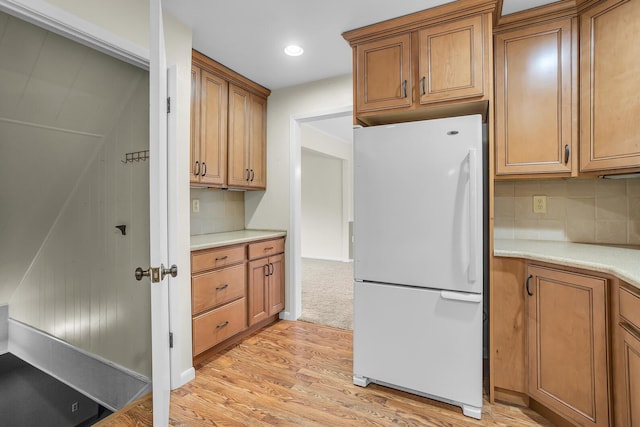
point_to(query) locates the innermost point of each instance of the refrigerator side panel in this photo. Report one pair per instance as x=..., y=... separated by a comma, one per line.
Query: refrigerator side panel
x=418, y=204
x=417, y=340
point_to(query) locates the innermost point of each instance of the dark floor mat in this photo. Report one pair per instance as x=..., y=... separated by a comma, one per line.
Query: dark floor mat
x=29, y=397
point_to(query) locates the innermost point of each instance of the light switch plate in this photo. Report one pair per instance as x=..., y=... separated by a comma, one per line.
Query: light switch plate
x=540, y=204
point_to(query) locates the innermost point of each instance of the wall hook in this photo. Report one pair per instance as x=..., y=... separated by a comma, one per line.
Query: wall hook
x=122, y=228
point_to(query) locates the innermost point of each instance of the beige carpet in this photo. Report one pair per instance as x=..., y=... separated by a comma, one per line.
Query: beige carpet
x=327, y=293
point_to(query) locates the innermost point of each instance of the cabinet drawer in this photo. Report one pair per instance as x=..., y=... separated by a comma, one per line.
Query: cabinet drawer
x=217, y=287
x=630, y=307
x=214, y=258
x=217, y=325
x=267, y=248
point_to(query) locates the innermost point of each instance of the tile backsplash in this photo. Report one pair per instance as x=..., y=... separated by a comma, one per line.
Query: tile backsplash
x=578, y=210
x=220, y=211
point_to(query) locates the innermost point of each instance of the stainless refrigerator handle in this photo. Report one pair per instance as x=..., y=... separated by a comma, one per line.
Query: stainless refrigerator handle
x=473, y=213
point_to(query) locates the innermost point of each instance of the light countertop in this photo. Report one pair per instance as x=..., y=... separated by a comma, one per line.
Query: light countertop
x=214, y=240
x=621, y=262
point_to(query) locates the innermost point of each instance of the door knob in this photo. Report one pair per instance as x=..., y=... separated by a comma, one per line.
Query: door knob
x=140, y=273
x=173, y=271
x=156, y=274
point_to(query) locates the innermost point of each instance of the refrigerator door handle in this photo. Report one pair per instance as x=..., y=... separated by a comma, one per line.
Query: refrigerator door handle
x=473, y=203
x=458, y=296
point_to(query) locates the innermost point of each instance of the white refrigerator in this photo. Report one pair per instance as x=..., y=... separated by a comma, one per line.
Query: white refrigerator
x=418, y=250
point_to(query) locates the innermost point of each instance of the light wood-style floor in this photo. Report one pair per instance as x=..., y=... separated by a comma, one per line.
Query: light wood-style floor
x=299, y=374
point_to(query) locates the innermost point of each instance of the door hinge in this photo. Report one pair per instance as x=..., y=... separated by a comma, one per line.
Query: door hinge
x=168, y=105
x=170, y=339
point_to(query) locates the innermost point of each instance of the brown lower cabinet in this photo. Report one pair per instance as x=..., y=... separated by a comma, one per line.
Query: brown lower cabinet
x=231, y=297
x=551, y=340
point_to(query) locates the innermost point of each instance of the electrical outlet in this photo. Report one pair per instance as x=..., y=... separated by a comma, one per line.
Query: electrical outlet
x=74, y=407
x=540, y=204
x=195, y=205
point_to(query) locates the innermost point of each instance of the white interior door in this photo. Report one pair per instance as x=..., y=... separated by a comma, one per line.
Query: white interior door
x=158, y=207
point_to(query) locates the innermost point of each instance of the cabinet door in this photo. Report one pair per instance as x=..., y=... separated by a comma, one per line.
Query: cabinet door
x=629, y=378
x=276, y=284
x=213, y=129
x=451, y=60
x=239, y=105
x=609, y=101
x=508, y=325
x=258, y=143
x=567, y=344
x=536, y=88
x=194, y=168
x=383, y=74
x=258, y=292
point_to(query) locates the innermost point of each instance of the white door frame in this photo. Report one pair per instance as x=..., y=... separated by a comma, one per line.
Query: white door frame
x=294, y=293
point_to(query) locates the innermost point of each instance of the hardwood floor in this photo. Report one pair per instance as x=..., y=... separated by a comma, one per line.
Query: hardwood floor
x=299, y=374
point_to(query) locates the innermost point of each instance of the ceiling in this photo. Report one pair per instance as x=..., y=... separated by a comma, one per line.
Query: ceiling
x=249, y=36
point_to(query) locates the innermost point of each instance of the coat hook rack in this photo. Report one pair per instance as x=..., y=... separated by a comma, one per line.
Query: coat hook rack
x=136, y=156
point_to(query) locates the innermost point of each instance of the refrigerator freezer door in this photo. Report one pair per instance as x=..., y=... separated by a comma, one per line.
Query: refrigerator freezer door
x=416, y=340
x=418, y=204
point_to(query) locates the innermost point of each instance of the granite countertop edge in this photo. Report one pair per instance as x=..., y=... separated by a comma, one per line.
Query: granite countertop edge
x=215, y=240
x=621, y=262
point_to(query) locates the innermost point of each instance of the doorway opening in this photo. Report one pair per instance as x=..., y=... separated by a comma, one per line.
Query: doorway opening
x=322, y=274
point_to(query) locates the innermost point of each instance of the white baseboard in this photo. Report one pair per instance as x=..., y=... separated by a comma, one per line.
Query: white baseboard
x=185, y=377
x=107, y=383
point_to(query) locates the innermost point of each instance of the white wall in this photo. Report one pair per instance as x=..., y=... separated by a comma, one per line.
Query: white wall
x=325, y=223
x=220, y=211
x=129, y=19
x=322, y=225
x=271, y=209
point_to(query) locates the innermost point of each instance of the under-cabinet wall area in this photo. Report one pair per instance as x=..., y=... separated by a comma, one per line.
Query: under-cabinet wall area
x=577, y=210
x=218, y=211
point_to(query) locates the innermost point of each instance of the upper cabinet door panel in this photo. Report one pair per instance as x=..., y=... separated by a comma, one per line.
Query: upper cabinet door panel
x=258, y=143
x=384, y=74
x=535, y=96
x=451, y=62
x=609, y=70
x=194, y=167
x=239, y=104
x=213, y=129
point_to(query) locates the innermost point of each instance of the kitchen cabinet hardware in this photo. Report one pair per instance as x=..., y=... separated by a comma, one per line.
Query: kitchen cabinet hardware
x=222, y=287
x=423, y=82
x=269, y=248
x=252, y=175
x=222, y=258
x=404, y=88
x=567, y=151
x=222, y=325
x=204, y=169
x=196, y=170
x=526, y=285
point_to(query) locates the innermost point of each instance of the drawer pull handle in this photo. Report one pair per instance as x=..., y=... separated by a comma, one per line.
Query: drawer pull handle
x=269, y=248
x=526, y=285
x=225, y=286
x=222, y=325
x=222, y=258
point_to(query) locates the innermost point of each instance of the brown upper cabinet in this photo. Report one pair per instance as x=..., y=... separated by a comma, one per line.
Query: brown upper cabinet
x=228, y=127
x=609, y=104
x=247, y=139
x=429, y=64
x=536, y=100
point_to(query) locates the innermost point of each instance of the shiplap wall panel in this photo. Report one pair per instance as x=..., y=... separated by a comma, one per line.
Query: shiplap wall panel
x=80, y=287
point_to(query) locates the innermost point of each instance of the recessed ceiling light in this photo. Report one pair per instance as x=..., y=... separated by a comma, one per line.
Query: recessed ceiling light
x=293, y=50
